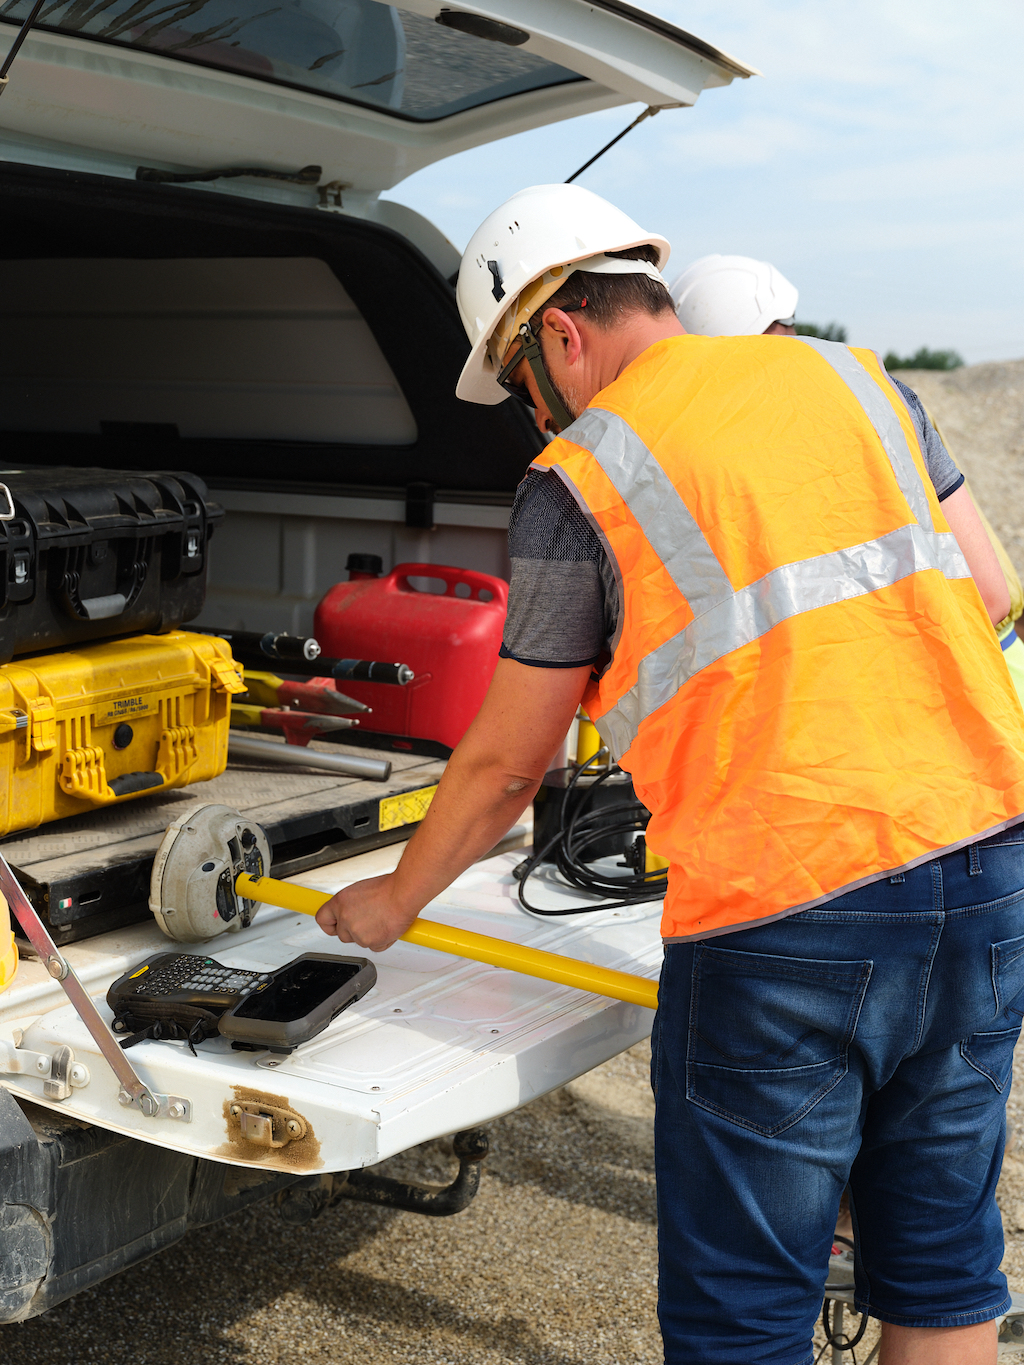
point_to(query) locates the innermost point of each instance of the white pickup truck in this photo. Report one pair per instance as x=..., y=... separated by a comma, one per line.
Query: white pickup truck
x=198, y=272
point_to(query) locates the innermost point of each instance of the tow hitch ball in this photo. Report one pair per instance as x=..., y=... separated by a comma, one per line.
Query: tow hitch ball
x=308, y=1198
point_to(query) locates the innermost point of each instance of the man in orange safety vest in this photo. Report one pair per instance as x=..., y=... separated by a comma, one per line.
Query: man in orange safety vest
x=733, y=556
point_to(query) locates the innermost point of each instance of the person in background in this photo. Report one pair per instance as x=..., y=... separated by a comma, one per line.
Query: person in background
x=734, y=296
x=738, y=296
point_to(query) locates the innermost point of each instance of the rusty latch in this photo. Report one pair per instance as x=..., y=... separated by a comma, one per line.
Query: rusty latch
x=266, y=1124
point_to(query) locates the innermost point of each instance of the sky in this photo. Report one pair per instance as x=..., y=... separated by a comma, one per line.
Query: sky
x=878, y=163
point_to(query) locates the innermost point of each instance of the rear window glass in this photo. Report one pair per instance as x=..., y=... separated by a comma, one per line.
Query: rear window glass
x=258, y=348
x=355, y=50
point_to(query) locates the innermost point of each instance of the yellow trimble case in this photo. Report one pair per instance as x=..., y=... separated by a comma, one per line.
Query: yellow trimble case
x=105, y=723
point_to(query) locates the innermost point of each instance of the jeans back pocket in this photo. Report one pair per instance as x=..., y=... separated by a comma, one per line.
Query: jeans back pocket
x=991, y=1052
x=769, y=1036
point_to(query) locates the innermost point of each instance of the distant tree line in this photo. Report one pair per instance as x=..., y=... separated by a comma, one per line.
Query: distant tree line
x=922, y=359
x=831, y=332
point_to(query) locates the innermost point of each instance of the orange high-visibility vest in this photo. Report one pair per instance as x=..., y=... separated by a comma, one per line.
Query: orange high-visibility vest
x=805, y=684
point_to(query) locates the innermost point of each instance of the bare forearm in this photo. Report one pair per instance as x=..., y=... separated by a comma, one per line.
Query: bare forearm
x=489, y=781
x=964, y=522
x=477, y=801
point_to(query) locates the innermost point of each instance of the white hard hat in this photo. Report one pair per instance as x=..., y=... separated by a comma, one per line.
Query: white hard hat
x=732, y=296
x=545, y=231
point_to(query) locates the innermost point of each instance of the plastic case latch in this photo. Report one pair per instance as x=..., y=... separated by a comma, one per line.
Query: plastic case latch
x=43, y=723
x=225, y=671
x=266, y=1125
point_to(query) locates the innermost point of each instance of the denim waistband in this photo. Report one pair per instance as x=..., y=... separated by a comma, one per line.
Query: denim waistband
x=1013, y=835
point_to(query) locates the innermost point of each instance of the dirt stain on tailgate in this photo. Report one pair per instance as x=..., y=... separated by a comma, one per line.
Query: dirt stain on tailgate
x=264, y=1129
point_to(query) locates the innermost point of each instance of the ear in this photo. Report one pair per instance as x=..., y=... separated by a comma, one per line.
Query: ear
x=566, y=334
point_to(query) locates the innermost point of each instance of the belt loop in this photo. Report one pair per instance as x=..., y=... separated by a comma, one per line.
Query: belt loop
x=974, y=861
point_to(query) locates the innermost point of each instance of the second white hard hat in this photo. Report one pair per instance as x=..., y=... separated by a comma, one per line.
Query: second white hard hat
x=541, y=231
x=732, y=296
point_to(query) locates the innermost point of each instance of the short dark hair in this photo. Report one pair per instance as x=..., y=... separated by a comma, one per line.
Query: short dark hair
x=610, y=297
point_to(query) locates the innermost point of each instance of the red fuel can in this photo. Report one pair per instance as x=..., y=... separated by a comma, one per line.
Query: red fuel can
x=449, y=639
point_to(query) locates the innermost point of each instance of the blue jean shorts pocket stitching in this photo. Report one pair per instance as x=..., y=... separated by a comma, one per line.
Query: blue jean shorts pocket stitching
x=992, y=1054
x=769, y=1036
x=1008, y=976
x=656, y=1056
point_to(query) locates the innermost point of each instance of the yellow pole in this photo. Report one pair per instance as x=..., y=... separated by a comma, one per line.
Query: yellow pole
x=588, y=742
x=582, y=976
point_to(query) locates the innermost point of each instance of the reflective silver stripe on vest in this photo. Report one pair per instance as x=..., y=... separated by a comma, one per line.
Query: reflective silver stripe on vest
x=750, y=613
x=882, y=416
x=726, y=619
x=653, y=499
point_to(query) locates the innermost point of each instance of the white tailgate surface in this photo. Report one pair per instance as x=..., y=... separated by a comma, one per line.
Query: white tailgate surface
x=438, y=1045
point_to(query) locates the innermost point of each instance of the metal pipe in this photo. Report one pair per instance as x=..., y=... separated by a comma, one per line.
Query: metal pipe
x=366, y=1186
x=276, y=645
x=499, y=952
x=291, y=755
x=305, y=1199
x=343, y=670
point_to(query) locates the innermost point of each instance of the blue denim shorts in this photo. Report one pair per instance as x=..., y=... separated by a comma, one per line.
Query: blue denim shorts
x=869, y=1042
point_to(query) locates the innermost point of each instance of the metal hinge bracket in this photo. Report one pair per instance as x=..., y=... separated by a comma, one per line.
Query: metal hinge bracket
x=267, y=1125
x=58, y=1070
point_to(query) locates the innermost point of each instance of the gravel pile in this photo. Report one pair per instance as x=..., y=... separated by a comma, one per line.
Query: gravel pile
x=980, y=410
x=555, y=1261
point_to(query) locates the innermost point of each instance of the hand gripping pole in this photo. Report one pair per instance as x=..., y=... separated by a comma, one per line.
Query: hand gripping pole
x=567, y=971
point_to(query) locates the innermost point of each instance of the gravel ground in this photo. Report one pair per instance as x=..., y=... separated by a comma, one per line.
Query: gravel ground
x=554, y=1263
x=980, y=409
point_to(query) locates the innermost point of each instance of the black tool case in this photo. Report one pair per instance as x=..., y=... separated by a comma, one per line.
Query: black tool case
x=91, y=553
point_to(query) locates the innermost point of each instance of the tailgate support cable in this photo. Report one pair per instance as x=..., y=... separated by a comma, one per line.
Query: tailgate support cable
x=134, y=1092
x=649, y=112
x=16, y=45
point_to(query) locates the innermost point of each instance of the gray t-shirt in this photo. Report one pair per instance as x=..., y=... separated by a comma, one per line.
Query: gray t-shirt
x=563, y=603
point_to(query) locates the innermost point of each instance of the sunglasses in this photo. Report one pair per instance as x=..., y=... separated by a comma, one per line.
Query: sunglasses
x=518, y=391
x=528, y=337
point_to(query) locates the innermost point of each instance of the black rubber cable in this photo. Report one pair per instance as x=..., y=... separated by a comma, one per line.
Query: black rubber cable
x=581, y=831
x=843, y=1343
x=846, y=1343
